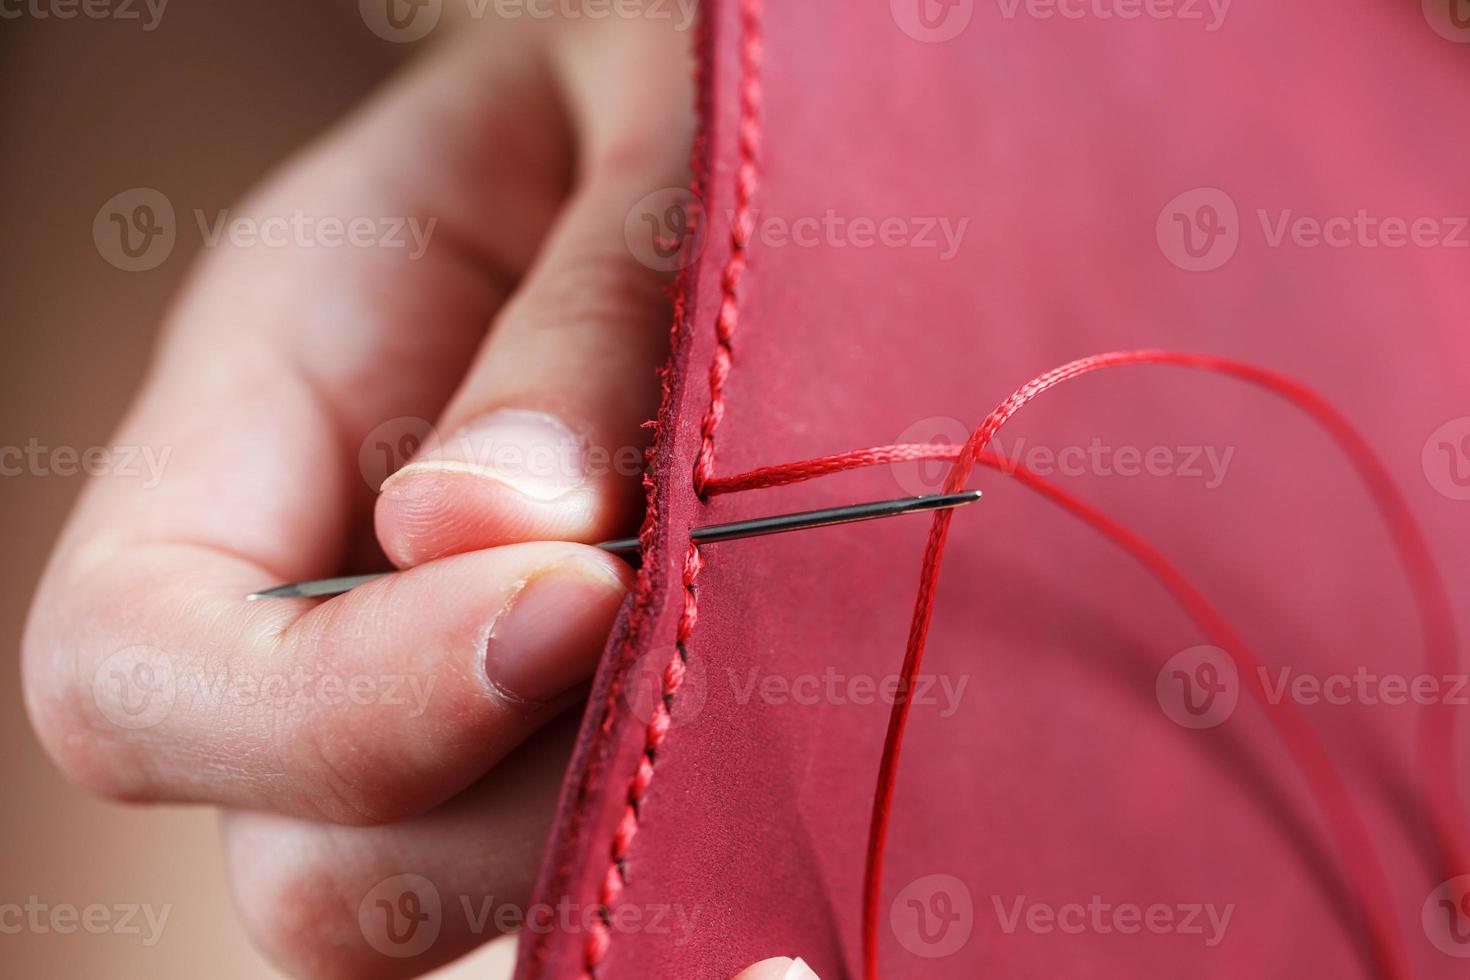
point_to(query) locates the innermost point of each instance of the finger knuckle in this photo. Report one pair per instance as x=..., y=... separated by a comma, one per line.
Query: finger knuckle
x=295, y=911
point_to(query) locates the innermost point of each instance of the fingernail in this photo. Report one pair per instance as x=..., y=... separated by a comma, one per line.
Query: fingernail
x=532, y=452
x=779, y=968
x=547, y=638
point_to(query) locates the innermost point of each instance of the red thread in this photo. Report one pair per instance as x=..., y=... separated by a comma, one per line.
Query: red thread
x=599, y=938
x=1437, y=732
x=747, y=177
x=810, y=469
x=1366, y=873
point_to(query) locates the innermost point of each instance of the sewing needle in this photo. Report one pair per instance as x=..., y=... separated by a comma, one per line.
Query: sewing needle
x=781, y=523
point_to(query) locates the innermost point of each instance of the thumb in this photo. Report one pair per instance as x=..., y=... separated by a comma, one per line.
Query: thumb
x=544, y=438
x=779, y=968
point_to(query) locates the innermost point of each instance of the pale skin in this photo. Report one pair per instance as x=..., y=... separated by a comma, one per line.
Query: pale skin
x=529, y=142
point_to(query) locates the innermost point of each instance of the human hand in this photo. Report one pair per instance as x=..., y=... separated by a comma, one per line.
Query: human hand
x=147, y=675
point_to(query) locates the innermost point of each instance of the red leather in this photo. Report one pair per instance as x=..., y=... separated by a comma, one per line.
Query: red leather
x=1057, y=777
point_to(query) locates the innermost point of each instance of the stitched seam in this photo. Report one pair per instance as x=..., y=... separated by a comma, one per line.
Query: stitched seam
x=746, y=178
x=615, y=880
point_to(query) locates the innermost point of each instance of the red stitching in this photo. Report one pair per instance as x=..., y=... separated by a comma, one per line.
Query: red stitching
x=747, y=177
x=616, y=879
x=600, y=935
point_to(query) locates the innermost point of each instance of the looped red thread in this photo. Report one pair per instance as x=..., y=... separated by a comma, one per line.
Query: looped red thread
x=1367, y=879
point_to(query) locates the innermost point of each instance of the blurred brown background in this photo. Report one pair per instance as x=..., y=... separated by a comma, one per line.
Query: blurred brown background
x=198, y=103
